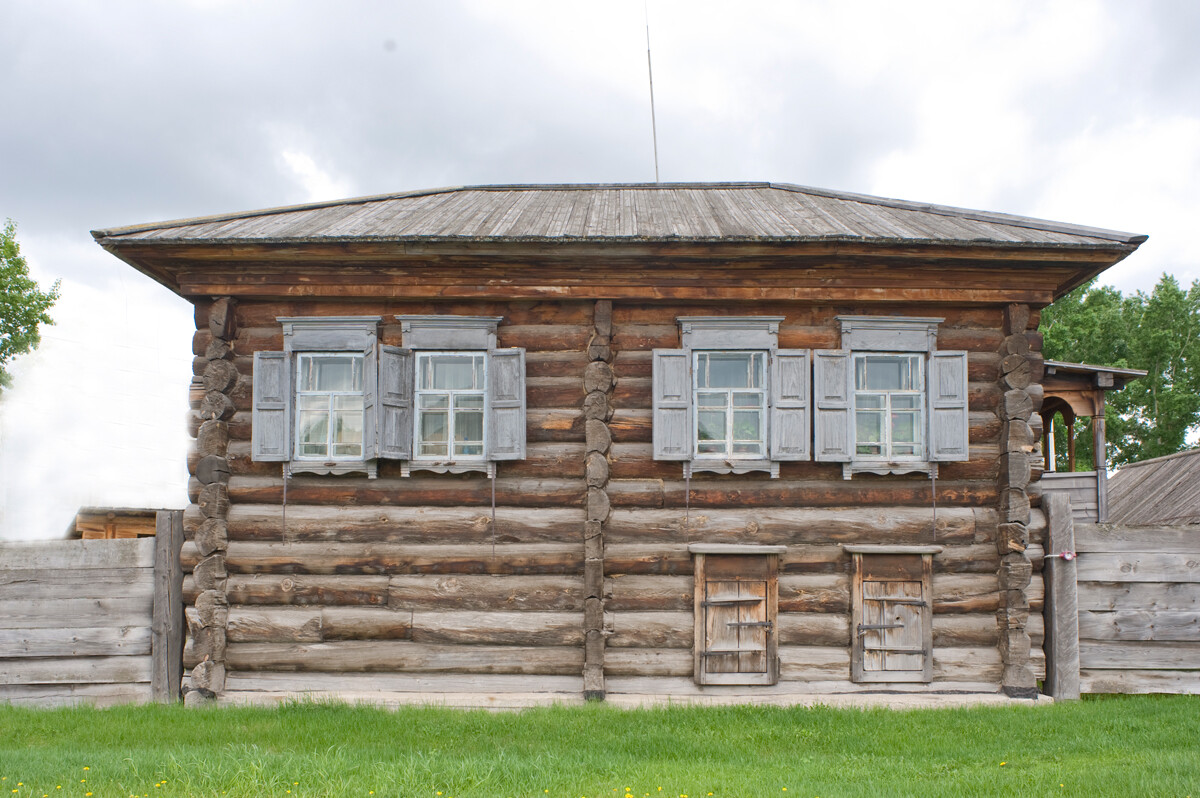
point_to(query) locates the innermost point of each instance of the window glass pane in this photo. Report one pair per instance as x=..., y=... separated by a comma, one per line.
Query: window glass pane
x=869, y=400
x=905, y=401
x=433, y=427
x=747, y=400
x=905, y=449
x=347, y=427
x=747, y=448
x=332, y=373
x=904, y=427
x=702, y=370
x=435, y=400
x=711, y=448
x=468, y=426
x=729, y=370
x=450, y=373
x=757, y=363
x=711, y=426
x=746, y=426
x=711, y=399
x=869, y=427
x=472, y=401
x=869, y=448
x=313, y=433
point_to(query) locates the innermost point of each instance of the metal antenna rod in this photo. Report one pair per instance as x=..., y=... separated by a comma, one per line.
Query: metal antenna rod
x=650, y=73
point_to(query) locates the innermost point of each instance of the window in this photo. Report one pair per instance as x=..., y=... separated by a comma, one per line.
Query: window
x=736, y=611
x=889, y=402
x=335, y=401
x=892, y=613
x=730, y=400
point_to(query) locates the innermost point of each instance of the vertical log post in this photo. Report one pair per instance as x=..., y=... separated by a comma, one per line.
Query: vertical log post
x=598, y=384
x=1021, y=367
x=166, y=627
x=208, y=619
x=1100, y=454
x=1062, y=601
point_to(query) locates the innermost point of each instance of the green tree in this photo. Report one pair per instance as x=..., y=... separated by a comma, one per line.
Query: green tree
x=1158, y=332
x=23, y=305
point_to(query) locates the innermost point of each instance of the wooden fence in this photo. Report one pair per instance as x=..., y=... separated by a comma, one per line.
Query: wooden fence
x=1124, y=616
x=96, y=621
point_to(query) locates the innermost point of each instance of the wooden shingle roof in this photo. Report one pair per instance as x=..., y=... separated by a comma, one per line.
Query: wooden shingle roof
x=669, y=212
x=1165, y=490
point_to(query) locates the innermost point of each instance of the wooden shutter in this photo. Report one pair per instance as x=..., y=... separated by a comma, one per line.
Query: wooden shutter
x=737, y=597
x=395, y=413
x=834, y=417
x=271, y=433
x=672, y=422
x=506, y=404
x=948, y=421
x=370, y=402
x=892, y=618
x=790, y=424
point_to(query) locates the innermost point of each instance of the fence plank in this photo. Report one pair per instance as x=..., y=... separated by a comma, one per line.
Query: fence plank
x=86, y=583
x=1161, y=539
x=1139, y=567
x=75, y=670
x=48, y=695
x=1132, y=655
x=1061, y=612
x=1140, y=681
x=78, y=554
x=38, y=614
x=1140, y=625
x=167, y=622
x=1132, y=596
x=75, y=642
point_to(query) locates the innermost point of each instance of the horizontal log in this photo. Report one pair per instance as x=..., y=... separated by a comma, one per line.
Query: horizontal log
x=498, y=628
x=814, y=593
x=50, y=584
x=951, y=631
x=264, y=313
x=85, y=612
x=1122, y=654
x=648, y=662
x=554, y=424
x=1136, y=539
x=1139, y=596
x=1138, y=567
x=77, y=555
x=805, y=663
x=372, y=656
x=316, y=624
x=385, y=524
x=75, y=670
x=814, y=629
x=794, y=525
x=1140, y=625
x=965, y=593
x=385, y=558
x=1140, y=681
x=651, y=630
x=431, y=592
x=750, y=492
x=659, y=593
x=427, y=684
x=76, y=641
x=55, y=695
x=444, y=490
x=305, y=590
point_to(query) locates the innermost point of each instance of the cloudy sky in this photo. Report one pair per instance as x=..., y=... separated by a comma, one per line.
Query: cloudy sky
x=120, y=112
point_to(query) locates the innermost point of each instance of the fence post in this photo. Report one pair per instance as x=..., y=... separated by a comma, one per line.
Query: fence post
x=166, y=648
x=1062, y=600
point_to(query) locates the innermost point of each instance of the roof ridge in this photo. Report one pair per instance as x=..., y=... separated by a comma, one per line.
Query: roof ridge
x=1161, y=458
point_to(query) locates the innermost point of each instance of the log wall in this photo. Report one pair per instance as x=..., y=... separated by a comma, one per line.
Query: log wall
x=91, y=621
x=406, y=585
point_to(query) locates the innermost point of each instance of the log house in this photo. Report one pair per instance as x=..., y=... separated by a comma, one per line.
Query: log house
x=497, y=445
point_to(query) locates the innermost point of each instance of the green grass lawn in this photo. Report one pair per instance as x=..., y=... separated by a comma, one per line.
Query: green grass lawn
x=1143, y=746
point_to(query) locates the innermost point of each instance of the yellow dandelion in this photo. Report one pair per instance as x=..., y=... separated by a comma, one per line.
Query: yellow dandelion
x=1002, y=764
x=295, y=783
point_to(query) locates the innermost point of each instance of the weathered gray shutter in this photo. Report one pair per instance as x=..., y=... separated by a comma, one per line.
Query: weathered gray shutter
x=506, y=403
x=395, y=414
x=833, y=393
x=270, y=436
x=790, y=421
x=370, y=402
x=672, y=421
x=948, y=422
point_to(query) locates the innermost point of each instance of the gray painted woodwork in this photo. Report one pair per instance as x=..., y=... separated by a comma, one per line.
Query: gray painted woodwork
x=370, y=401
x=834, y=412
x=729, y=332
x=889, y=333
x=328, y=333
x=167, y=623
x=395, y=403
x=947, y=389
x=1061, y=609
x=449, y=332
x=790, y=421
x=672, y=420
x=506, y=404
x=271, y=438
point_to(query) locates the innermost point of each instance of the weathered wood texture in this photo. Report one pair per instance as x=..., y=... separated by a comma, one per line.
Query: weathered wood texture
x=1061, y=610
x=80, y=621
x=1139, y=609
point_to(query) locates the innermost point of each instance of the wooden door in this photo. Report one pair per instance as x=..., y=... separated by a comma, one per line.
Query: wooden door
x=892, y=619
x=736, y=608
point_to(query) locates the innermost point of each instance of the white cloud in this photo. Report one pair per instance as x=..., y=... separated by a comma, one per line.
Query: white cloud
x=318, y=183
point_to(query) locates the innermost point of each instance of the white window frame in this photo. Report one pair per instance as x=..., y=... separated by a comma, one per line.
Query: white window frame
x=921, y=393
x=298, y=392
x=482, y=391
x=762, y=408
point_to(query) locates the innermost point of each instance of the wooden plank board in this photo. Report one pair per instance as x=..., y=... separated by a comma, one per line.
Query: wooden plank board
x=40, y=695
x=37, y=614
x=1140, y=625
x=1159, y=539
x=75, y=670
x=1139, y=655
x=66, y=584
x=1139, y=567
x=77, y=554
x=510, y=628
x=1134, y=596
x=384, y=682
x=75, y=641
x=1133, y=681
x=388, y=655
